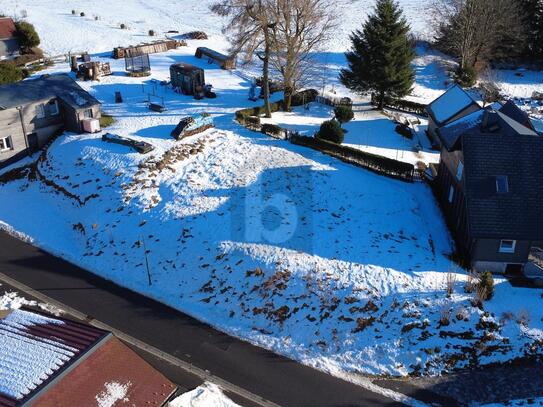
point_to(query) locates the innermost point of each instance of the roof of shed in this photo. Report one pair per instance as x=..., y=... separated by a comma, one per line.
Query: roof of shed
x=7, y=28
x=46, y=87
x=518, y=213
x=35, y=348
x=185, y=67
x=449, y=104
x=213, y=54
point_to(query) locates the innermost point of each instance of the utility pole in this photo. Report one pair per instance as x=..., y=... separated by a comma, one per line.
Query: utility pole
x=146, y=261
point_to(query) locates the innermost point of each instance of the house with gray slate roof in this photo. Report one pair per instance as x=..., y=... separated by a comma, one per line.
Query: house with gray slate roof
x=33, y=111
x=490, y=184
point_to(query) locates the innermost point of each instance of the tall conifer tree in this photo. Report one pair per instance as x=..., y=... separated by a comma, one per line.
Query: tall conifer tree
x=381, y=55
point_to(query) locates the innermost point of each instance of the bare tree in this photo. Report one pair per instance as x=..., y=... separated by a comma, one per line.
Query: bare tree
x=249, y=28
x=489, y=88
x=476, y=30
x=301, y=26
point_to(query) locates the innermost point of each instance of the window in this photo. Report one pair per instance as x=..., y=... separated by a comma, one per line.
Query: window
x=459, y=170
x=87, y=114
x=52, y=107
x=508, y=246
x=502, y=184
x=5, y=143
x=40, y=111
x=451, y=194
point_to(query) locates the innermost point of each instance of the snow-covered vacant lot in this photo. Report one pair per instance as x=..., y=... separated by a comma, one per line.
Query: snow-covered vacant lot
x=334, y=266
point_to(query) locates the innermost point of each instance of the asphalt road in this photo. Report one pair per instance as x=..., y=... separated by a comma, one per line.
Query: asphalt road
x=261, y=372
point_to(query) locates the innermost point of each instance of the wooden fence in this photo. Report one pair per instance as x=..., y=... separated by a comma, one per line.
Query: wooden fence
x=147, y=48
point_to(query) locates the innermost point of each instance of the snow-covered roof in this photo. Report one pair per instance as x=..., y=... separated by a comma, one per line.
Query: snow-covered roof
x=34, y=347
x=448, y=105
x=45, y=88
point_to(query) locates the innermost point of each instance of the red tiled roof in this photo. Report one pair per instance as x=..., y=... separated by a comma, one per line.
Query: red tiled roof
x=7, y=28
x=112, y=363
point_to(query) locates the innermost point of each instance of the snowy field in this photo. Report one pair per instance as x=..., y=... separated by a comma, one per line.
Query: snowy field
x=54, y=19
x=328, y=264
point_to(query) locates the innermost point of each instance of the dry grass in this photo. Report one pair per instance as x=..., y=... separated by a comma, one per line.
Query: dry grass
x=523, y=318
x=451, y=281
x=445, y=316
x=471, y=282
x=480, y=296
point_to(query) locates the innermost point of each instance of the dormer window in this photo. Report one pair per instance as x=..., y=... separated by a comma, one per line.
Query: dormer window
x=502, y=184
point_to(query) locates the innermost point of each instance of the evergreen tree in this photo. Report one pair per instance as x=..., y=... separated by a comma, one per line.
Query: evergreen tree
x=28, y=37
x=380, y=60
x=532, y=12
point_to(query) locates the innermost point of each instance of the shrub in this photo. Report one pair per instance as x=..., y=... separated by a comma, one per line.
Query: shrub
x=404, y=131
x=27, y=35
x=106, y=120
x=271, y=129
x=471, y=282
x=331, y=131
x=82, y=14
x=451, y=281
x=344, y=114
x=445, y=316
x=151, y=33
x=466, y=77
x=486, y=282
x=10, y=73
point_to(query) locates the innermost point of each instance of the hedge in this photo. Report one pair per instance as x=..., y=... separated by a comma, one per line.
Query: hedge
x=404, y=105
x=252, y=122
x=272, y=130
x=298, y=99
x=243, y=114
x=381, y=165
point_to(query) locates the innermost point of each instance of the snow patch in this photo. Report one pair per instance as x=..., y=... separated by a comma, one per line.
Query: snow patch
x=113, y=392
x=206, y=395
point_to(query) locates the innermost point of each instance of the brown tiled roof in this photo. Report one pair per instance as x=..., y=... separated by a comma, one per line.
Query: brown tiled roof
x=7, y=28
x=112, y=363
x=35, y=348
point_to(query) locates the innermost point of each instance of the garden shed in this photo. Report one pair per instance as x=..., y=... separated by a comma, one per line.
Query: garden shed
x=225, y=61
x=186, y=78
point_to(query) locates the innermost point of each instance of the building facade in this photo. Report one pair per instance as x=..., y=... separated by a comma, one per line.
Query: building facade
x=33, y=111
x=488, y=183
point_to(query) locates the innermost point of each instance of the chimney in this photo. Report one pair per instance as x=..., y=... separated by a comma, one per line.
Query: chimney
x=490, y=121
